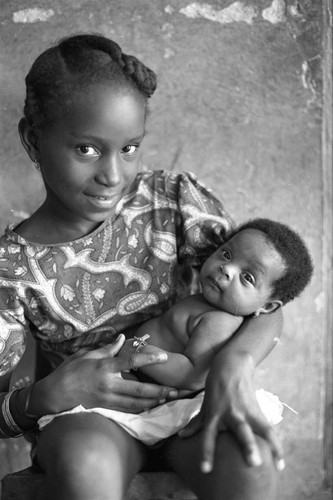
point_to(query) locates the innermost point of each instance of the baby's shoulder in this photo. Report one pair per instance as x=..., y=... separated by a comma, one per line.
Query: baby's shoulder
x=206, y=315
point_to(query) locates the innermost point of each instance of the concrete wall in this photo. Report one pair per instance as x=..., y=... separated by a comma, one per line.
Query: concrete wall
x=239, y=103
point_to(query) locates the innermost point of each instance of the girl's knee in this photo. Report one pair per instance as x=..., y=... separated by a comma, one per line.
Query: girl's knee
x=86, y=459
x=231, y=478
x=74, y=452
x=258, y=482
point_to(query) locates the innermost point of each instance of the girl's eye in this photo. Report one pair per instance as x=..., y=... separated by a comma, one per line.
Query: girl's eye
x=226, y=254
x=249, y=278
x=130, y=150
x=87, y=151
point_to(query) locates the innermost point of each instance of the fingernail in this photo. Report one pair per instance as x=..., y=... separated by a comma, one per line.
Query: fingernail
x=255, y=459
x=206, y=467
x=280, y=465
x=162, y=401
x=173, y=394
x=162, y=356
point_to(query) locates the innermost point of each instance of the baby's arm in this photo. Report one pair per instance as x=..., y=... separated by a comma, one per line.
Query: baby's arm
x=188, y=370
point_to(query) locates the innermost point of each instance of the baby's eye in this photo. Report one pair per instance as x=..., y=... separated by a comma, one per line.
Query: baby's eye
x=248, y=278
x=87, y=151
x=226, y=254
x=130, y=150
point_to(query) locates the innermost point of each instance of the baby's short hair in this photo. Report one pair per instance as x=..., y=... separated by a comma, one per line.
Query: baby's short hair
x=294, y=253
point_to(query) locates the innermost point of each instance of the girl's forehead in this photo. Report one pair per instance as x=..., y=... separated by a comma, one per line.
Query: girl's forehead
x=106, y=94
x=102, y=108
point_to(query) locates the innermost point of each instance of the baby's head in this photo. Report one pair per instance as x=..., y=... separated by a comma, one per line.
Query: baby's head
x=263, y=265
x=75, y=65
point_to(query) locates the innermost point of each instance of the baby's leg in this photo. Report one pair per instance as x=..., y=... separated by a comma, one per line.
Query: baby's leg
x=87, y=456
x=231, y=478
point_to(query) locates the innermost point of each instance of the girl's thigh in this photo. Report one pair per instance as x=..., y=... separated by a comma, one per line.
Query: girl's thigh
x=231, y=478
x=87, y=456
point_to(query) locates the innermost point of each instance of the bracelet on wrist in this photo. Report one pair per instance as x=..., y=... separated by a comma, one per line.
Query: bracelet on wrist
x=140, y=342
x=7, y=414
x=20, y=401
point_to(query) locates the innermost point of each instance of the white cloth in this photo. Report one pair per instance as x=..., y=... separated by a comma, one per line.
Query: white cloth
x=162, y=421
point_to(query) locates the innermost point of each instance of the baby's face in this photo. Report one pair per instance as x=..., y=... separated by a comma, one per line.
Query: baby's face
x=238, y=277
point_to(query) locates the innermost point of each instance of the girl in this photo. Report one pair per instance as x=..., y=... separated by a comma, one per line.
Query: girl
x=103, y=253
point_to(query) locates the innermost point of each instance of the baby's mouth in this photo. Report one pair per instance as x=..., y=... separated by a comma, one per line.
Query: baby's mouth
x=219, y=284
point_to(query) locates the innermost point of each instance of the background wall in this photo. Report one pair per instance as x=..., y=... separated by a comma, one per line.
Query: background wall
x=239, y=103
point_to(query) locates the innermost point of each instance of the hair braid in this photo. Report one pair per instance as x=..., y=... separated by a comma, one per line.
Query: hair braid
x=133, y=69
x=77, y=61
x=141, y=75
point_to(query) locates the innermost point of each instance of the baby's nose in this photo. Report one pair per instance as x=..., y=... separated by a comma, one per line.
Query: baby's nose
x=226, y=271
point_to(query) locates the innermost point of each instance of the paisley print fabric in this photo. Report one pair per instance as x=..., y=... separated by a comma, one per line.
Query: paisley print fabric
x=83, y=293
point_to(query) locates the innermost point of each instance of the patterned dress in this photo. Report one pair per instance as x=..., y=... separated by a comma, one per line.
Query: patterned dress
x=132, y=267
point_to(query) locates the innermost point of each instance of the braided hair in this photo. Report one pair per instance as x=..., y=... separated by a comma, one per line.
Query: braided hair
x=74, y=64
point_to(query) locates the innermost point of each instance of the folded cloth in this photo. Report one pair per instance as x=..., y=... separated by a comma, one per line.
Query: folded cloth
x=160, y=422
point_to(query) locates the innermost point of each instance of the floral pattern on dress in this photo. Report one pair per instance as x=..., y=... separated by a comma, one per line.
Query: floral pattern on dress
x=83, y=293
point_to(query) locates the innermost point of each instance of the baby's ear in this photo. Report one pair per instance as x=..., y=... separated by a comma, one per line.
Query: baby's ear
x=269, y=307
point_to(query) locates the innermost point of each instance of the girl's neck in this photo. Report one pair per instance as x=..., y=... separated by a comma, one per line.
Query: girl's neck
x=47, y=230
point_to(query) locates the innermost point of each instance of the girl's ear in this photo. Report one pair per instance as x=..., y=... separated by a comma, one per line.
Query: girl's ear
x=269, y=307
x=29, y=138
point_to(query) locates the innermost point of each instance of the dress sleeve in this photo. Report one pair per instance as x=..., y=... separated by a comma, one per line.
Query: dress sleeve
x=204, y=222
x=13, y=328
x=204, y=225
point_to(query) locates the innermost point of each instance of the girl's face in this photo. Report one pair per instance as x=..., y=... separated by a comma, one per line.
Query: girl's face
x=89, y=157
x=238, y=277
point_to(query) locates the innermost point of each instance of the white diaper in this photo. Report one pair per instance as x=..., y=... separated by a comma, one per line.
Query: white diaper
x=161, y=422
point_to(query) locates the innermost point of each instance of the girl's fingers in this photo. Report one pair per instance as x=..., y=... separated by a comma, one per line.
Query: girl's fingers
x=128, y=404
x=210, y=432
x=142, y=392
x=245, y=436
x=113, y=349
x=268, y=433
x=107, y=351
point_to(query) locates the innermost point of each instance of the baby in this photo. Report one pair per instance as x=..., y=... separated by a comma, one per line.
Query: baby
x=262, y=266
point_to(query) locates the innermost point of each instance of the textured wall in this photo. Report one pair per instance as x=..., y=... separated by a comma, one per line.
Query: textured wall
x=239, y=103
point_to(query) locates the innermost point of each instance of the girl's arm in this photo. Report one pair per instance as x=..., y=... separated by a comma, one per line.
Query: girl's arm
x=88, y=378
x=230, y=400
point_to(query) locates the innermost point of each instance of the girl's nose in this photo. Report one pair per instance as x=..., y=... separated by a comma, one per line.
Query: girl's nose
x=110, y=174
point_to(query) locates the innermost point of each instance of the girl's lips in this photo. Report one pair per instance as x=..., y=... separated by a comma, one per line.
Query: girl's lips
x=102, y=201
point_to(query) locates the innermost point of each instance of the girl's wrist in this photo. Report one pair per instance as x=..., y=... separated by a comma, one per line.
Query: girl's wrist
x=19, y=404
x=13, y=419
x=25, y=406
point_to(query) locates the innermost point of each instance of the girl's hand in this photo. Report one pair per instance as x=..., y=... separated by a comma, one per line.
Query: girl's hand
x=230, y=403
x=93, y=379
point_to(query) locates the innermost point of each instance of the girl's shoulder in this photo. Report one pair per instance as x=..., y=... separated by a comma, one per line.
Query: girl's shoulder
x=183, y=187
